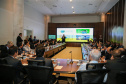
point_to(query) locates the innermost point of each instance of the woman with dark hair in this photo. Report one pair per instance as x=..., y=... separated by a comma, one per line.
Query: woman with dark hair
x=26, y=47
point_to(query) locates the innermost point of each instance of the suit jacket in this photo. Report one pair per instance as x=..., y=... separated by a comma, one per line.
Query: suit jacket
x=19, y=39
x=17, y=64
x=31, y=40
x=4, y=51
x=63, y=39
x=20, y=50
x=115, y=66
x=48, y=62
x=107, y=56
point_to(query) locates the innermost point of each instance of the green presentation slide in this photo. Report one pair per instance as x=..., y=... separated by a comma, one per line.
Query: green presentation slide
x=75, y=34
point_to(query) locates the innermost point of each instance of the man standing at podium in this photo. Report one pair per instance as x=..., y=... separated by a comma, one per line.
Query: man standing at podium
x=63, y=38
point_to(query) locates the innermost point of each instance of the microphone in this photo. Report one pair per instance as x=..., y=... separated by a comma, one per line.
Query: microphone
x=71, y=57
x=70, y=52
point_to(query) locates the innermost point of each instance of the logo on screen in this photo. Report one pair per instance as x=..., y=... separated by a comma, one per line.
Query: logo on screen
x=62, y=31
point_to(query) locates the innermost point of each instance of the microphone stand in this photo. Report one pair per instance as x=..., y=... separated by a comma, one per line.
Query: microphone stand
x=71, y=57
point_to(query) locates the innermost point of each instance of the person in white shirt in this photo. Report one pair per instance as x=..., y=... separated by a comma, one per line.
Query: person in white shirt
x=26, y=48
x=94, y=58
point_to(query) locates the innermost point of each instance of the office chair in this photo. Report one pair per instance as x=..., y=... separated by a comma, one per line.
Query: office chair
x=94, y=66
x=36, y=62
x=95, y=76
x=121, y=77
x=7, y=74
x=39, y=74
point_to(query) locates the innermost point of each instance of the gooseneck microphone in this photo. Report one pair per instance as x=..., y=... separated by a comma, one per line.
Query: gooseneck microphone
x=71, y=57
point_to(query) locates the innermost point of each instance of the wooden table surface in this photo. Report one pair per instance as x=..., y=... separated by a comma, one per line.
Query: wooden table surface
x=67, y=68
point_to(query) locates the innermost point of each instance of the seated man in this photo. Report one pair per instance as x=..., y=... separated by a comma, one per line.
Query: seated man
x=108, y=54
x=13, y=52
x=52, y=43
x=40, y=50
x=20, y=50
x=4, y=50
x=94, y=58
x=116, y=65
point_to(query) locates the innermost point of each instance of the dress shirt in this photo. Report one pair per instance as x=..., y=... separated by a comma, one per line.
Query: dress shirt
x=7, y=48
x=26, y=48
x=83, y=66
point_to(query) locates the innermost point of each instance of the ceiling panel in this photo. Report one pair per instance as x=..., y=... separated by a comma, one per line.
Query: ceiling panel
x=64, y=7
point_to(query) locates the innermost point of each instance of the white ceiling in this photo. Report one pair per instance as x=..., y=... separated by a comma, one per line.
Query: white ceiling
x=64, y=7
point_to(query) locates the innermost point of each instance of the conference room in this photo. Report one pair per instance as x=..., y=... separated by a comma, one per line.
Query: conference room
x=62, y=42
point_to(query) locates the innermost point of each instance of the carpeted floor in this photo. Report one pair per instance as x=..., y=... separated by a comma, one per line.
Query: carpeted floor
x=64, y=54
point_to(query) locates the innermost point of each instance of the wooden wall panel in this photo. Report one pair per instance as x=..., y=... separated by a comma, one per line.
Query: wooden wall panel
x=98, y=29
x=114, y=20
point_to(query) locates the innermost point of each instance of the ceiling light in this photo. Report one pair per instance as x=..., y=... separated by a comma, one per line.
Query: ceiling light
x=73, y=12
x=70, y=0
x=90, y=4
x=72, y=7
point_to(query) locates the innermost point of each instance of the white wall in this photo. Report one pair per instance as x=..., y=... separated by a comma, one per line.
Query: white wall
x=34, y=20
x=6, y=21
x=76, y=19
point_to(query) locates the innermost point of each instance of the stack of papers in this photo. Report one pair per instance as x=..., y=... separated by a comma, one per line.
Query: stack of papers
x=58, y=67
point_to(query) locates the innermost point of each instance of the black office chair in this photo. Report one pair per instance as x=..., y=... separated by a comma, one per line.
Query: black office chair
x=36, y=62
x=40, y=74
x=90, y=66
x=7, y=74
x=3, y=61
x=121, y=77
x=95, y=76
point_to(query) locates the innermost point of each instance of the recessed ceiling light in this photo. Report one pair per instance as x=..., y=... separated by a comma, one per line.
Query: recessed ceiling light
x=70, y=0
x=72, y=7
x=90, y=4
x=54, y=5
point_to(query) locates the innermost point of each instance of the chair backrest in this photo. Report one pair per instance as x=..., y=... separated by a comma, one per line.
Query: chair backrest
x=36, y=62
x=90, y=66
x=7, y=74
x=121, y=77
x=3, y=61
x=95, y=76
x=39, y=74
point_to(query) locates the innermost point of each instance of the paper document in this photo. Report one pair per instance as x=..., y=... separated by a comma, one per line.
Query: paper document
x=25, y=64
x=58, y=67
x=75, y=60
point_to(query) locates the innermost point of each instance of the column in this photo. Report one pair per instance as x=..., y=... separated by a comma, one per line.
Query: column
x=103, y=20
x=18, y=21
x=47, y=19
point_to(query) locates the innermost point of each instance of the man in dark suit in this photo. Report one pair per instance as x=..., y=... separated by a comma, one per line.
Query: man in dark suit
x=20, y=50
x=13, y=52
x=30, y=39
x=52, y=43
x=63, y=38
x=39, y=53
x=19, y=39
x=5, y=48
x=116, y=65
